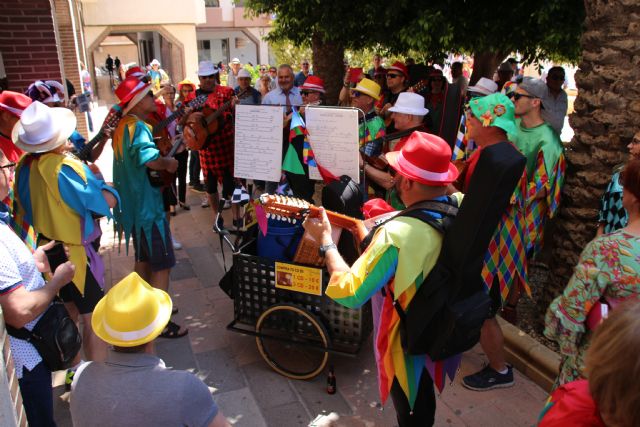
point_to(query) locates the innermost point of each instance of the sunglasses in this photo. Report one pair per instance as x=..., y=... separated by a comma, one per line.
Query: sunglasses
x=556, y=77
x=517, y=96
x=263, y=69
x=9, y=166
x=187, y=90
x=392, y=76
x=356, y=94
x=392, y=172
x=305, y=92
x=211, y=76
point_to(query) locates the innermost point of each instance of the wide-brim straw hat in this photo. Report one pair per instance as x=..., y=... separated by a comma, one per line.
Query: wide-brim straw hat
x=368, y=87
x=132, y=313
x=43, y=128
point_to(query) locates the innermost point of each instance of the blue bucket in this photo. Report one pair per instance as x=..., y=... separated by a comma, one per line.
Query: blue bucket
x=281, y=241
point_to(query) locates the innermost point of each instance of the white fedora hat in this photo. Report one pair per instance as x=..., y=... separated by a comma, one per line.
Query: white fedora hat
x=410, y=103
x=206, y=68
x=484, y=86
x=42, y=128
x=243, y=73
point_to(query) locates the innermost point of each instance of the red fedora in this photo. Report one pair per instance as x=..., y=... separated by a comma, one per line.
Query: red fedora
x=424, y=158
x=136, y=72
x=14, y=102
x=131, y=91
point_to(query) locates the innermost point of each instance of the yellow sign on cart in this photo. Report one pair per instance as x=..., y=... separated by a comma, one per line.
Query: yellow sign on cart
x=298, y=278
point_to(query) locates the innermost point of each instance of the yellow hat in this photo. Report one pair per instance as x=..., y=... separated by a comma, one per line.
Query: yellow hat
x=132, y=313
x=368, y=87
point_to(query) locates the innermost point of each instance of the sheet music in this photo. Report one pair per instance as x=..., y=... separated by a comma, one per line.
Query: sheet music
x=333, y=135
x=258, y=142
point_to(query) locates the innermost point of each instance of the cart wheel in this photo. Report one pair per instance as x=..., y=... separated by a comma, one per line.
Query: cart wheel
x=292, y=341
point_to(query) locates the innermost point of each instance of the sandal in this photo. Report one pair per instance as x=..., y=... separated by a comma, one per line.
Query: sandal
x=172, y=330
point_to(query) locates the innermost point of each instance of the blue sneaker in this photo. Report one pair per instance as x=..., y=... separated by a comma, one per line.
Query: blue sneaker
x=488, y=379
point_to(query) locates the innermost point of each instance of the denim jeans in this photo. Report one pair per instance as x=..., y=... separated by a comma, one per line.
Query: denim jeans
x=37, y=396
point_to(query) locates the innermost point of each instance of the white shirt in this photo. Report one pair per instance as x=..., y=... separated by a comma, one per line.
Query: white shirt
x=17, y=266
x=278, y=97
x=555, y=109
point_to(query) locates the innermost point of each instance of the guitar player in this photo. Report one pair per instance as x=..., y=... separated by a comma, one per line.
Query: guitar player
x=216, y=155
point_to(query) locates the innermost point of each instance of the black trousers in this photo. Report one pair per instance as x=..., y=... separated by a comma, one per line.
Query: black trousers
x=424, y=410
x=181, y=174
x=194, y=167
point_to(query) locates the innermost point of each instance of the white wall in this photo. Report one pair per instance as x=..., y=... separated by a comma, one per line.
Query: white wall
x=247, y=54
x=136, y=12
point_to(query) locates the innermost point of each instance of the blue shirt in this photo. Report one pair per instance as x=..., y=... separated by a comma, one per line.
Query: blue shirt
x=300, y=78
x=278, y=97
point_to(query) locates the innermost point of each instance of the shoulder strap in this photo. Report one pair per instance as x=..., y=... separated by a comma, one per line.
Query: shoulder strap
x=22, y=333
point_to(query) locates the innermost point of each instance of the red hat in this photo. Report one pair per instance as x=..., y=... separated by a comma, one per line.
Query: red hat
x=136, y=72
x=313, y=83
x=130, y=92
x=399, y=66
x=424, y=158
x=14, y=102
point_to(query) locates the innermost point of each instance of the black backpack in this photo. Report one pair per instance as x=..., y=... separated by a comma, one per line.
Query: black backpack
x=446, y=314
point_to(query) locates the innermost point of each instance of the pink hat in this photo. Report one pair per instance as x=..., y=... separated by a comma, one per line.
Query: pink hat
x=424, y=158
x=313, y=83
x=14, y=102
x=399, y=66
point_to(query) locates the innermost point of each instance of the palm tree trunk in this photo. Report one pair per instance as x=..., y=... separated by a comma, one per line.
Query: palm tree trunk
x=328, y=64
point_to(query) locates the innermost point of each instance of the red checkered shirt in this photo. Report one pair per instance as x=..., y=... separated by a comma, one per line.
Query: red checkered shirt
x=216, y=156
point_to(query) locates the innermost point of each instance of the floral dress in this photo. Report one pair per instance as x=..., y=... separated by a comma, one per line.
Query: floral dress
x=609, y=267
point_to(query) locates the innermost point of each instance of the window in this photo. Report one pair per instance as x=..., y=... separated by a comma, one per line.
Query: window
x=212, y=3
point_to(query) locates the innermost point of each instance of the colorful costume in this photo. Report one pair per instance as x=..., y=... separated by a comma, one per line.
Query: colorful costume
x=141, y=206
x=571, y=405
x=216, y=156
x=398, y=261
x=505, y=261
x=612, y=215
x=371, y=128
x=58, y=196
x=609, y=267
x=545, y=174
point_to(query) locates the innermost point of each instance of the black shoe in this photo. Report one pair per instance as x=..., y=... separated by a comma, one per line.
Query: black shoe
x=185, y=206
x=488, y=379
x=198, y=188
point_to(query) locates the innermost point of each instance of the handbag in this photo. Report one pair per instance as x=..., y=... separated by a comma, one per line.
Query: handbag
x=55, y=336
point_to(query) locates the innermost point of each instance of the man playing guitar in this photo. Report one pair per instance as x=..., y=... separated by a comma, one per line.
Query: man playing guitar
x=216, y=155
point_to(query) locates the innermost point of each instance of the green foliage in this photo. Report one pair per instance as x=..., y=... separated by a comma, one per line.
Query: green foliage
x=285, y=52
x=429, y=29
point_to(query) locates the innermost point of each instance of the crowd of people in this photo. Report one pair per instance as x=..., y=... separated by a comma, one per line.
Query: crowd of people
x=421, y=138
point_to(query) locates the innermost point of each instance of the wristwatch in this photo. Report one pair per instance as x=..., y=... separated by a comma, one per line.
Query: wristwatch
x=322, y=251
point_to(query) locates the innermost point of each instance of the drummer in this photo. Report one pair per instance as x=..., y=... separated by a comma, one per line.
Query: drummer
x=400, y=255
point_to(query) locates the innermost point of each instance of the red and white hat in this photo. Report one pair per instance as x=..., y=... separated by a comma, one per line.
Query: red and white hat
x=14, y=102
x=131, y=91
x=313, y=83
x=136, y=72
x=399, y=66
x=424, y=158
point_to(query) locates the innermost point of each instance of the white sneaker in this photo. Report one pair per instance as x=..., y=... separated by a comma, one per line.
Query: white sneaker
x=176, y=245
x=205, y=202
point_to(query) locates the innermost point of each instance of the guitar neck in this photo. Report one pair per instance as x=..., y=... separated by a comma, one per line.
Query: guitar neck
x=164, y=123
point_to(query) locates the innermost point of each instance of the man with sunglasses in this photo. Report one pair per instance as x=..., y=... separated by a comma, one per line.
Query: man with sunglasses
x=303, y=73
x=555, y=101
x=397, y=77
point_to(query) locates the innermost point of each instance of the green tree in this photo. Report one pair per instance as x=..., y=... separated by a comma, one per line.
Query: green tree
x=489, y=31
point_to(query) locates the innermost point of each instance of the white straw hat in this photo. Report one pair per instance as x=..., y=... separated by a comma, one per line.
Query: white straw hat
x=484, y=86
x=410, y=103
x=42, y=128
x=206, y=68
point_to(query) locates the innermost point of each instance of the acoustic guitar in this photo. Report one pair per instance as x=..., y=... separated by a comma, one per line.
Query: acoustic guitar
x=164, y=178
x=291, y=209
x=201, y=124
x=111, y=121
x=163, y=139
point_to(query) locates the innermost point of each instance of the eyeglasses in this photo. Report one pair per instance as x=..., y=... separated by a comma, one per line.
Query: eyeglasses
x=517, y=96
x=9, y=166
x=306, y=92
x=393, y=76
x=356, y=94
x=305, y=63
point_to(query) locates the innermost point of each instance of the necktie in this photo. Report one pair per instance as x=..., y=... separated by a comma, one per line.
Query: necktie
x=288, y=101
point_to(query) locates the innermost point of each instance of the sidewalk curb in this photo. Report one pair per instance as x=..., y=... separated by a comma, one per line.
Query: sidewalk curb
x=527, y=355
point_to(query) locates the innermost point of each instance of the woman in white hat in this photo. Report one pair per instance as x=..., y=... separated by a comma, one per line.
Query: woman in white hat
x=59, y=196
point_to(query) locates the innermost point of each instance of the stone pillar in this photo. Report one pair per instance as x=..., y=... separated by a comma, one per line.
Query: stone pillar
x=607, y=114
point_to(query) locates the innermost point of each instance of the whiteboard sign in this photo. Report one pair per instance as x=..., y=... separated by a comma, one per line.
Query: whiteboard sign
x=333, y=135
x=258, y=142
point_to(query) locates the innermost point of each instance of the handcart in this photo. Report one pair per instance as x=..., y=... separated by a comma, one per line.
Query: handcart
x=295, y=325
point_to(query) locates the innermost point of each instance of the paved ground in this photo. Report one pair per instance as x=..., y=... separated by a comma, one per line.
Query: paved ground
x=247, y=390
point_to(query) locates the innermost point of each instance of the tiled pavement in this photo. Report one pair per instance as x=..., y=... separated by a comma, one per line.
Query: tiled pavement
x=249, y=392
